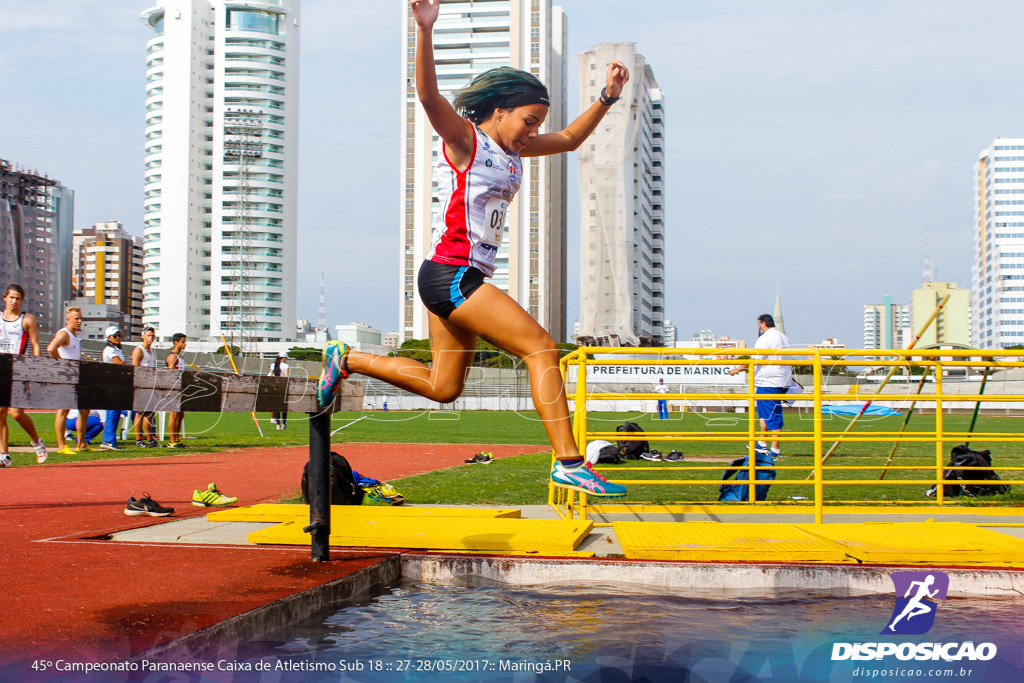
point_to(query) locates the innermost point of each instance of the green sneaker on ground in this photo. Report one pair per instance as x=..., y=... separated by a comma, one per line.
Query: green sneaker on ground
x=211, y=497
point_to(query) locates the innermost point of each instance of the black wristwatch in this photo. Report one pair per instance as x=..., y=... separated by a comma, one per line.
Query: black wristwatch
x=606, y=100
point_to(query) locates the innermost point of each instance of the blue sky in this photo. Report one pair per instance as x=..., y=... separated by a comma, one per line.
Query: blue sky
x=810, y=143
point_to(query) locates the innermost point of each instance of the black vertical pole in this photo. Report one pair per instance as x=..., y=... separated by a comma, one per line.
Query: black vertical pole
x=320, y=484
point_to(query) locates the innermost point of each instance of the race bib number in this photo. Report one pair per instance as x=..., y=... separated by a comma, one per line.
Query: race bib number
x=7, y=346
x=494, y=217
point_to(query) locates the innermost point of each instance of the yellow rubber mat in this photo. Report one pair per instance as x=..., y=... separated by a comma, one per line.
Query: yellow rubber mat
x=714, y=542
x=922, y=542
x=276, y=512
x=449, y=533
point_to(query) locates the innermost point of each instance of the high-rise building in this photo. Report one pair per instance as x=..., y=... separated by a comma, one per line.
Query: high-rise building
x=221, y=169
x=622, y=231
x=36, y=219
x=887, y=325
x=952, y=326
x=107, y=254
x=997, y=278
x=470, y=37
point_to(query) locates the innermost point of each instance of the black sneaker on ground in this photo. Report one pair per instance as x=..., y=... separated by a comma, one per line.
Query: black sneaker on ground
x=653, y=456
x=146, y=506
x=139, y=443
x=152, y=443
x=481, y=458
x=673, y=456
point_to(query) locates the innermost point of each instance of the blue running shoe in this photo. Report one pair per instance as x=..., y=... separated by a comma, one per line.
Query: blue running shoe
x=333, y=372
x=585, y=480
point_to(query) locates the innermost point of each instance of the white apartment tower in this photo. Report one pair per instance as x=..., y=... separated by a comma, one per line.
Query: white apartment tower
x=997, y=278
x=887, y=325
x=622, y=171
x=221, y=168
x=470, y=37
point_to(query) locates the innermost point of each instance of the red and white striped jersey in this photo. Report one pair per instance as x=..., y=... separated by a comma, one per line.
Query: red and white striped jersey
x=471, y=221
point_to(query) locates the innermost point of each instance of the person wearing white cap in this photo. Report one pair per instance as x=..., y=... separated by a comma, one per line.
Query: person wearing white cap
x=112, y=353
x=279, y=369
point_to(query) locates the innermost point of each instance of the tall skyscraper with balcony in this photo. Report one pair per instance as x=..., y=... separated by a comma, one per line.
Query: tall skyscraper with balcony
x=221, y=169
x=36, y=217
x=997, y=277
x=470, y=37
x=622, y=240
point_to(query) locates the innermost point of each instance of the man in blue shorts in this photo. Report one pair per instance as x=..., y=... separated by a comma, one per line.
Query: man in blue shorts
x=769, y=379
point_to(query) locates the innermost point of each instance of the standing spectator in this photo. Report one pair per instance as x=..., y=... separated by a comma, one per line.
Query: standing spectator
x=144, y=356
x=280, y=369
x=662, y=388
x=112, y=353
x=176, y=362
x=769, y=379
x=17, y=331
x=67, y=345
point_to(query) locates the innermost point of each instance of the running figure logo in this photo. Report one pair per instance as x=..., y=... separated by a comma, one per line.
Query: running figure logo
x=914, y=613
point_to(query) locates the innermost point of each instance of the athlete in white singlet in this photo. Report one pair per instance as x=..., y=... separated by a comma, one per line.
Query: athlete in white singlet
x=67, y=345
x=174, y=418
x=18, y=332
x=144, y=356
x=495, y=120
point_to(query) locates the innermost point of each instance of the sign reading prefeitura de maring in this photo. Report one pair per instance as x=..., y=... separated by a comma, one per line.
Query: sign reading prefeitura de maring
x=627, y=373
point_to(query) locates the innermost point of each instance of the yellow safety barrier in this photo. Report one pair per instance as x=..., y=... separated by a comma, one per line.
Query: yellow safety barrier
x=820, y=474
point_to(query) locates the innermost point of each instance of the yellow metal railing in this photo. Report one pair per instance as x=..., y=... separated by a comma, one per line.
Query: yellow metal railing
x=822, y=362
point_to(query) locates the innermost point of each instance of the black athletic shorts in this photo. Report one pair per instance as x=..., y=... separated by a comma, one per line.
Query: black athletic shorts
x=443, y=288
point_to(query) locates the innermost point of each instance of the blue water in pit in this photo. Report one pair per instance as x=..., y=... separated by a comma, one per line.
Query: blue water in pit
x=486, y=632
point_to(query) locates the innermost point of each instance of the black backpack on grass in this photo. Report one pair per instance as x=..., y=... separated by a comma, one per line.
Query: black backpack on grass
x=962, y=456
x=631, y=450
x=344, y=490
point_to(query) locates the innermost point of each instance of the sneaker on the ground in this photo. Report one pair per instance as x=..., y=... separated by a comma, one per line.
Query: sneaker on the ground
x=146, y=506
x=110, y=446
x=653, y=456
x=67, y=450
x=333, y=372
x=176, y=444
x=775, y=453
x=88, y=449
x=382, y=492
x=40, y=448
x=139, y=443
x=585, y=480
x=673, y=456
x=481, y=458
x=211, y=497
x=5, y=460
x=761, y=447
x=152, y=443
x=68, y=435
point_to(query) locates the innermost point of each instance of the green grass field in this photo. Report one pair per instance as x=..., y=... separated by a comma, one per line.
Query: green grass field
x=522, y=480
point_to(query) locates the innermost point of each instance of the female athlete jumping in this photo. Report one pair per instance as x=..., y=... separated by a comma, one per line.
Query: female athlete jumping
x=494, y=122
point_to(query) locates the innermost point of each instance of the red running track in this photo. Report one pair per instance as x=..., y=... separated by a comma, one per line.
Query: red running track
x=69, y=593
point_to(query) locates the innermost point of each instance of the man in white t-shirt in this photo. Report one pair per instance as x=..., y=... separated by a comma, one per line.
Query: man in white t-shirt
x=112, y=353
x=662, y=388
x=769, y=379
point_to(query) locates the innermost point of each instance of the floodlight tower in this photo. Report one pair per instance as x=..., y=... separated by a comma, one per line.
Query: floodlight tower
x=243, y=144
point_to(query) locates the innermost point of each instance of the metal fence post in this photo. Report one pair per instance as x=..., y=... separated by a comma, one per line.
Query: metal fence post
x=319, y=484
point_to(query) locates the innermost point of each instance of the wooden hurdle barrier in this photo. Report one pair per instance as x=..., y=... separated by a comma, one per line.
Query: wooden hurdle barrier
x=44, y=383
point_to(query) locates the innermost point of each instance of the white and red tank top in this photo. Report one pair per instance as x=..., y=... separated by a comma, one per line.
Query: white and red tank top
x=12, y=335
x=470, y=224
x=73, y=349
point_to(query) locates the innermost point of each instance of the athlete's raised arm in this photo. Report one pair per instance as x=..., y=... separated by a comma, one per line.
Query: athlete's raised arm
x=456, y=131
x=575, y=133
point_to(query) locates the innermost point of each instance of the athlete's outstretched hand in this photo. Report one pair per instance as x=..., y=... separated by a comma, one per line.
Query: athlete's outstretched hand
x=425, y=12
x=617, y=76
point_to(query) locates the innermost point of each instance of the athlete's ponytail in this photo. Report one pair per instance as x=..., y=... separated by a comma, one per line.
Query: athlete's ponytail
x=501, y=88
